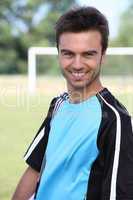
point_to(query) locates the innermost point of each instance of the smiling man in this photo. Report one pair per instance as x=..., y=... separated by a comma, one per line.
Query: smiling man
x=80, y=57
x=84, y=148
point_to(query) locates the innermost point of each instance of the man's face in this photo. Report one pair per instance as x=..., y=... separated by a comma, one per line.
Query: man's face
x=80, y=58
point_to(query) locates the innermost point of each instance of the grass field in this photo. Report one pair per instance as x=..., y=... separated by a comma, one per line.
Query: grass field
x=21, y=115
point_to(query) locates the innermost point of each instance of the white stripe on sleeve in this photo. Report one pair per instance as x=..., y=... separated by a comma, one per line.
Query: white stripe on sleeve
x=117, y=152
x=34, y=144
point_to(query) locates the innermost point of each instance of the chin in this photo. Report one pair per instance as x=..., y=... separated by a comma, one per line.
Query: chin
x=79, y=86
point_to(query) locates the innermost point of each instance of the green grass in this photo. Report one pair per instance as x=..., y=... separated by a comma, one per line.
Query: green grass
x=18, y=126
x=20, y=118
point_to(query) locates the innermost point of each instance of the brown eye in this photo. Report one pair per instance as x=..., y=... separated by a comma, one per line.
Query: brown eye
x=88, y=55
x=67, y=54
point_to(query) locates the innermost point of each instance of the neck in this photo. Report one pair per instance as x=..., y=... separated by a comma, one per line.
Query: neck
x=81, y=94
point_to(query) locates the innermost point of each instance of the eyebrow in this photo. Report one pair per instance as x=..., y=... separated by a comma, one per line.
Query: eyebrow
x=90, y=52
x=66, y=50
x=84, y=52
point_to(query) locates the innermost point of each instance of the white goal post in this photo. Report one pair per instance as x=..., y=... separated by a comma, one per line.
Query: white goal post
x=34, y=51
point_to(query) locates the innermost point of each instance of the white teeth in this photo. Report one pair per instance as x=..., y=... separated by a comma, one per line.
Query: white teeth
x=78, y=74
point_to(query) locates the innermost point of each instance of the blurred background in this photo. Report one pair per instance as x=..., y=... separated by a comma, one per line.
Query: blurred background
x=30, y=23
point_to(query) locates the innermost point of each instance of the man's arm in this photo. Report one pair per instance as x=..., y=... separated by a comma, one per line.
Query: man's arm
x=27, y=185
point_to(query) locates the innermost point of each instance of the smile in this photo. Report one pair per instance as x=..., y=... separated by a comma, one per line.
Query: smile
x=78, y=74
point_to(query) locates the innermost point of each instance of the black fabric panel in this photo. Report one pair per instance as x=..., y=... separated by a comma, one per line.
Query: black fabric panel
x=36, y=157
x=99, y=184
x=125, y=170
x=99, y=180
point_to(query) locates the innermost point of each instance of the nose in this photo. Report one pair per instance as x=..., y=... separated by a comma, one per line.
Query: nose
x=77, y=62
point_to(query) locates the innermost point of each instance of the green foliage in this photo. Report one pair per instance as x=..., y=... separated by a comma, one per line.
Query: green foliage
x=19, y=30
x=48, y=65
x=45, y=29
x=125, y=34
x=9, y=61
x=122, y=64
x=118, y=65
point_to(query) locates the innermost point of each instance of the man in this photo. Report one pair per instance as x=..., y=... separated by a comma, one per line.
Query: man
x=89, y=154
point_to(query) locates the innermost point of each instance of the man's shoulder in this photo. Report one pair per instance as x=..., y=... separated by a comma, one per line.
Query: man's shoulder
x=57, y=101
x=62, y=96
x=112, y=102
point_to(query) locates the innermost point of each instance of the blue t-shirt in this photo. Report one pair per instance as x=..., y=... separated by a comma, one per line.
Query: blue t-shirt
x=71, y=150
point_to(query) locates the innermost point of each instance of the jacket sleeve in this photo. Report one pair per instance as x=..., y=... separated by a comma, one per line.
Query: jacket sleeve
x=111, y=176
x=124, y=176
x=36, y=151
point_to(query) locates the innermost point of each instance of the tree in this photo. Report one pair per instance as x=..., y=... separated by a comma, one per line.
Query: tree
x=125, y=32
x=122, y=64
x=20, y=29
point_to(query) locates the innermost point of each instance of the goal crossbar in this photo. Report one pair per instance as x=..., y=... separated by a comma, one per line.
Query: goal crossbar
x=34, y=51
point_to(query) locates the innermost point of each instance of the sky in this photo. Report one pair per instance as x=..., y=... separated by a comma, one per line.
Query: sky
x=112, y=9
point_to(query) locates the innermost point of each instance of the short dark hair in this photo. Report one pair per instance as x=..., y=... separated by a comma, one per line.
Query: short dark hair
x=83, y=19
